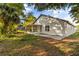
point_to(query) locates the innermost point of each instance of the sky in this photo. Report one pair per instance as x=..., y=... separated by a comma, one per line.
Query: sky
x=62, y=14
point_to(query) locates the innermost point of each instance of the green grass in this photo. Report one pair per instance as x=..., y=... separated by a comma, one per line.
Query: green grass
x=74, y=36
x=75, y=47
x=20, y=36
x=17, y=44
x=30, y=45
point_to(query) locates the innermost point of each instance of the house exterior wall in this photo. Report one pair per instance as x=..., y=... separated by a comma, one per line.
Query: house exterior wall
x=69, y=29
x=55, y=25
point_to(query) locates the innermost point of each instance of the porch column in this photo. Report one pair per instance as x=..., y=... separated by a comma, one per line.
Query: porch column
x=37, y=28
x=32, y=28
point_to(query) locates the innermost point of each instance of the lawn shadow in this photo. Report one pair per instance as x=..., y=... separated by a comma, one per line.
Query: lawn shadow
x=29, y=45
x=44, y=47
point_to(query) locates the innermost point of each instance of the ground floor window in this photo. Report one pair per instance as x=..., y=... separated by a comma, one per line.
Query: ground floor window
x=47, y=28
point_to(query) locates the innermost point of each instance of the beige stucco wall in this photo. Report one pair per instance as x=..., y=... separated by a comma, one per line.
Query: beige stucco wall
x=69, y=29
x=55, y=26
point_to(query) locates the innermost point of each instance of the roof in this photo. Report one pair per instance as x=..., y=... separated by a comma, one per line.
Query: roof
x=54, y=18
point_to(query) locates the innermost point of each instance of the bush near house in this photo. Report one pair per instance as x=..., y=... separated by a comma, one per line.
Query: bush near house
x=21, y=31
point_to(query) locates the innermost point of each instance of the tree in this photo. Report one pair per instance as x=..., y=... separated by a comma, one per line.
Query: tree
x=29, y=20
x=9, y=14
x=43, y=6
x=74, y=8
x=75, y=12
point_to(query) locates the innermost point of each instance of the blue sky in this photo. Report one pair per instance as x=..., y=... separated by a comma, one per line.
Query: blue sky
x=63, y=14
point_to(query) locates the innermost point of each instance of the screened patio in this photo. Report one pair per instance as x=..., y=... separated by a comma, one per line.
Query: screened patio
x=34, y=28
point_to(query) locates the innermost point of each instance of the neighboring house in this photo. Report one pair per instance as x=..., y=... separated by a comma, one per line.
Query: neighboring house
x=52, y=27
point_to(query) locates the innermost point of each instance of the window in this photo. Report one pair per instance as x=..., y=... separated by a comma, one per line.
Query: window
x=47, y=28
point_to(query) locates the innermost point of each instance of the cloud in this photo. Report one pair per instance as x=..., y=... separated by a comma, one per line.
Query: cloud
x=55, y=15
x=55, y=11
x=28, y=9
x=47, y=12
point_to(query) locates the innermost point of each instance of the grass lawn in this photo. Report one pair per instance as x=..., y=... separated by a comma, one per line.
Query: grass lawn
x=74, y=36
x=30, y=45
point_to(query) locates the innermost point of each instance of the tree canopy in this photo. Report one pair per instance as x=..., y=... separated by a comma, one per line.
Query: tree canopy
x=9, y=14
x=29, y=20
x=74, y=8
